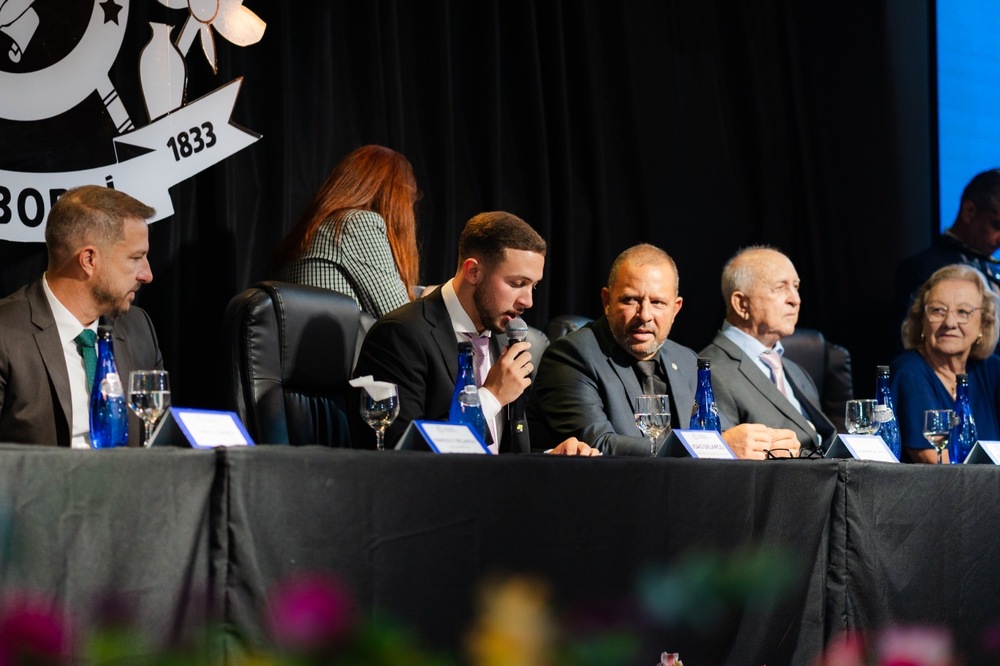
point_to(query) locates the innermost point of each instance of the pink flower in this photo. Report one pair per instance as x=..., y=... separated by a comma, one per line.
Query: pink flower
x=309, y=612
x=32, y=631
x=915, y=646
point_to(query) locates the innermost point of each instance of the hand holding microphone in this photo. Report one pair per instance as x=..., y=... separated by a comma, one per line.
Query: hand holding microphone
x=508, y=377
x=516, y=332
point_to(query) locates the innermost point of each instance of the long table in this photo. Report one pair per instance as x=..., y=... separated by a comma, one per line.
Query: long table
x=181, y=536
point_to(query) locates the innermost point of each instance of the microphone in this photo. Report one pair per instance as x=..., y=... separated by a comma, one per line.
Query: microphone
x=516, y=331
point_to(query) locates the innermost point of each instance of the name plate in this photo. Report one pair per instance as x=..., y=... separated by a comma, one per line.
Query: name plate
x=985, y=452
x=860, y=447
x=442, y=437
x=695, y=444
x=200, y=429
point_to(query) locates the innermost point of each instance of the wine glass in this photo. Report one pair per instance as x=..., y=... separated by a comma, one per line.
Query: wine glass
x=380, y=413
x=860, y=417
x=652, y=417
x=149, y=398
x=937, y=425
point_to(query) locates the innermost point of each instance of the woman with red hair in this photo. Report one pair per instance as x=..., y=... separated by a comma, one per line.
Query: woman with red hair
x=358, y=236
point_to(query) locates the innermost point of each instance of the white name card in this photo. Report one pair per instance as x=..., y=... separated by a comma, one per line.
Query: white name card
x=861, y=447
x=200, y=429
x=984, y=452
x=442, y=437
x=696, y=444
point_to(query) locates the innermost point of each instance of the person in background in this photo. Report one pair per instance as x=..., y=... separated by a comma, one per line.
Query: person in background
x=588, y=380
x=951, y=328
x=358, y=235
x=752, y=382
x=501, y=260
x=971, y=240
x=98, y=244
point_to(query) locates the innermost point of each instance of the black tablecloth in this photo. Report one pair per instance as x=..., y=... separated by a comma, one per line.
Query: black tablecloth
x=182, y=535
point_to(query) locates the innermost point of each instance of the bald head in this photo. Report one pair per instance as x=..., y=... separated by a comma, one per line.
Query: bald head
x=761, y=289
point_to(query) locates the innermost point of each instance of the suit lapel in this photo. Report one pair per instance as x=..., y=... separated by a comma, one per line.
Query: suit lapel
x=680, y=387
x=442, y=332
x=50, y=348
x=763, y=383
x=619, y=361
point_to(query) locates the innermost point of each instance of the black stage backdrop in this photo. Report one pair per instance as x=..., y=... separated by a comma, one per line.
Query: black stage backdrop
x=699, y=127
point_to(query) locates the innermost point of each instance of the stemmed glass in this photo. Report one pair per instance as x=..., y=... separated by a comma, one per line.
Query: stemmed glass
x=652, y=417
x=149, y=398
x=860, y=417
x=380, y=413
x=937, y=425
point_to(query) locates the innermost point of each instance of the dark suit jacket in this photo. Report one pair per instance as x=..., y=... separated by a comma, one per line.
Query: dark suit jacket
x=34, y=385
x=745, y=394
x=414, y=347
x=586, y=388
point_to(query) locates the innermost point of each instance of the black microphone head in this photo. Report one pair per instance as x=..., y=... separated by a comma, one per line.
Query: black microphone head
x=516, y=330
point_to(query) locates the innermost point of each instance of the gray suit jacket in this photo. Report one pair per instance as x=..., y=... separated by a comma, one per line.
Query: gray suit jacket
x=744, y=394
x=34, y=384
x=586, y=388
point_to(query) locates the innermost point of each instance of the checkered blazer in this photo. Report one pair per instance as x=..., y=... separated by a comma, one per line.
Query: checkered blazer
x=359, y=263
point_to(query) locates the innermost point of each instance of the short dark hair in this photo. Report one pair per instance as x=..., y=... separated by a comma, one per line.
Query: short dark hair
x=488, y=235
x=90, y=214
x=984, y=191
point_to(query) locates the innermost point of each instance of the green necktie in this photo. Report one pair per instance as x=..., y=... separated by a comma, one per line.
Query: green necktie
x=85, y=345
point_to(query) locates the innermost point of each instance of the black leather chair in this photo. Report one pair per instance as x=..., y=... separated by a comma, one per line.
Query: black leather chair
x=829, y=365
x=560, y=325
x=293, y=351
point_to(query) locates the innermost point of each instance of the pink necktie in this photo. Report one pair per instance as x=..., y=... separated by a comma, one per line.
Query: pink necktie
x=773, y=360
x=480, y=349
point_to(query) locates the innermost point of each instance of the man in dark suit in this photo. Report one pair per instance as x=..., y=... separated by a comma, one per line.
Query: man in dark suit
x=752, y=381
x=97, y=242
x=501, y=259
x=971, y=240
x=588, y=380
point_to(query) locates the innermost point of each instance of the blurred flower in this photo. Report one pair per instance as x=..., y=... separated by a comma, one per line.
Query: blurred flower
x=703, y=590
x=670, y=659
x=915, y=646
x=846, y=649
x=32, y=632
x=309, y=612
x=515, y=626
x=893, y=646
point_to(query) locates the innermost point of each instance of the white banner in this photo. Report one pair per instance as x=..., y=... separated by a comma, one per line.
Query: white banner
x=181, y=144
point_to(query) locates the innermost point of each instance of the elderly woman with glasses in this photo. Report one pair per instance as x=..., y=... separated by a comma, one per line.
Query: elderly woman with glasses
x=950, y=329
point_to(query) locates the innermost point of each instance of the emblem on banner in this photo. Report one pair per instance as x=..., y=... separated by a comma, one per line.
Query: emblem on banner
x=56, y=55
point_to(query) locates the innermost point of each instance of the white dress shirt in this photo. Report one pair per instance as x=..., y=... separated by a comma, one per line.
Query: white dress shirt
x=462, y=323
x=69, y=327
x=753, y=348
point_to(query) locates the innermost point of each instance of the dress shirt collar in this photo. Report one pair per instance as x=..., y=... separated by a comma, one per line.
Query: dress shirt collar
x=751, y=346
x=66, y=322
x=460, y=319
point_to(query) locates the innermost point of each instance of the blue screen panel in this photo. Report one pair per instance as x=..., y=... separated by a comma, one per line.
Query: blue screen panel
x=968, y=71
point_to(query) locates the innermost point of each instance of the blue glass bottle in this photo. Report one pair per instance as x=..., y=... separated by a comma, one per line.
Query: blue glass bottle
x=466, y=413
x=108, y=412
x=963, y=434
x=704, y=413
x=888, y=428
x=472, y=411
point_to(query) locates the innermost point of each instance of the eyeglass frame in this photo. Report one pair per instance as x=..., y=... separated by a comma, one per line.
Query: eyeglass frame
x=805, y=453
x=941, y=316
